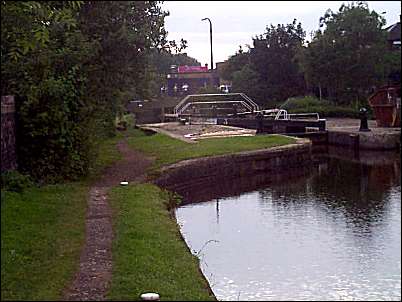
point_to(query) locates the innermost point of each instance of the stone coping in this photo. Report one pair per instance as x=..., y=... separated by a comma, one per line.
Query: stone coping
x=301, y=143
x=370, y=140
x=205, y=178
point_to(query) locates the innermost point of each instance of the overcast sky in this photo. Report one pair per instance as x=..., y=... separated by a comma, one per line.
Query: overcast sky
x=235, y=23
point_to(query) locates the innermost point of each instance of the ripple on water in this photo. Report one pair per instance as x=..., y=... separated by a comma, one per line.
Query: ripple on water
x=334, y=236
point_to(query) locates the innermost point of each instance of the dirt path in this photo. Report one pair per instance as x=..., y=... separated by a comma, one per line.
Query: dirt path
x=91, y=282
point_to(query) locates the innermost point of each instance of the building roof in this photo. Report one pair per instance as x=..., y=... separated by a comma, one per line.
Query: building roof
x=394, y=32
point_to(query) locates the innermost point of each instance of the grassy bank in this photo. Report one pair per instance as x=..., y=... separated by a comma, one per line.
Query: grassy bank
x=43, y=229
x=148, y=253
x=168, y=150
x=42, y=232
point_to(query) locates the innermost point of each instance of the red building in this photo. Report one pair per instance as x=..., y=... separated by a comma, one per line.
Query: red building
x=184, y=80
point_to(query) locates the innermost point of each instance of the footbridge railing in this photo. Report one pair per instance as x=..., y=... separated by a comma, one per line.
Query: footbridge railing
x=215, y=100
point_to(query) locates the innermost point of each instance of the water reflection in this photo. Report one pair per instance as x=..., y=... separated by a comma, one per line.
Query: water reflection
x=329, y=232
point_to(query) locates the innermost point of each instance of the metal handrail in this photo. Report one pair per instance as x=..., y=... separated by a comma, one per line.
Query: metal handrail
x=315, y=114
x=215, y=102
x=255, y=106
x=251, y=105
x=279, y=114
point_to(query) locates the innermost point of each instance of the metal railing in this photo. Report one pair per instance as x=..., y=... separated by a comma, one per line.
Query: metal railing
x=282, y=114
x=230, y=98
x=313, y=115
x=184, y=108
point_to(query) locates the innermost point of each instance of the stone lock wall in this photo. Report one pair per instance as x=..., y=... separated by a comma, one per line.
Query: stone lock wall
x=8, y=134
x=198, y=174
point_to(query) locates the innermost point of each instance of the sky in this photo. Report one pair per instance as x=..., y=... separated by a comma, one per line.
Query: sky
x=235, y=23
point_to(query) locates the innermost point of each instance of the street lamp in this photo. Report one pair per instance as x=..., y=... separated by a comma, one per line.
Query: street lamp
x=210, y=37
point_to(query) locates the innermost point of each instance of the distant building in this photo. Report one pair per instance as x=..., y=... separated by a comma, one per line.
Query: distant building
x=220, y=66
x=394, y=44
x=394, y=36
x=184, y=80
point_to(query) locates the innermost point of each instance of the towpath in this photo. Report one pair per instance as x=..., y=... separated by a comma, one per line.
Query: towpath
x=92, y=279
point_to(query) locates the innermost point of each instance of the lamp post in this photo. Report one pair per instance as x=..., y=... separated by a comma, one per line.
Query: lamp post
x=210, y=37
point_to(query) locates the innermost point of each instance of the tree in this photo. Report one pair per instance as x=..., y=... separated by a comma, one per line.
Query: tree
x=269, y=71
x=72, y=65
x=273, y=57
x=246, y=80
x=124, y=31
x=347, y=56
x=42, y=57
x=159, y=65
x=235, y=63
x=26, y=32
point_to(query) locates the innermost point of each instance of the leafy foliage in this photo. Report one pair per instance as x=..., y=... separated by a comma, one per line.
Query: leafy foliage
x=72, y=65
x=346, y=60
x=273, y=58
x=159, y=63
x=15, y=181
x=348, y=57
x=268, y=71
x=323, y=107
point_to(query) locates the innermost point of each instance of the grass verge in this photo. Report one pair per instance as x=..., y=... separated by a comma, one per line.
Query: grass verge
x=106, y=155
x=148, y=253
x=168, y=150
x=42, y=232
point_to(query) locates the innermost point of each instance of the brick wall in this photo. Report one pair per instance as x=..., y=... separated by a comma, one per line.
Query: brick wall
x=8, y=134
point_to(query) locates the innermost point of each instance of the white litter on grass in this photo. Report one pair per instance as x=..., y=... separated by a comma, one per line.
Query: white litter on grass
x=150, y=297
x=124, y=183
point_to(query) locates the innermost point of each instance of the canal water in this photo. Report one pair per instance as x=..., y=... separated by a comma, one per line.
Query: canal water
x=332, y=232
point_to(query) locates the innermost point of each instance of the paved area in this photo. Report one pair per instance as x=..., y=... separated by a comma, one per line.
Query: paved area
x=192, y=132
x=353, y=125
x=346, y=132
x=341, y=131
x=186, y=132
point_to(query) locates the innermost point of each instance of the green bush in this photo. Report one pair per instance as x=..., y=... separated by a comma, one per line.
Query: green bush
x=54, y=132
x=324, y=108
x=303, y=102
x=15, y=181
x=126, y=121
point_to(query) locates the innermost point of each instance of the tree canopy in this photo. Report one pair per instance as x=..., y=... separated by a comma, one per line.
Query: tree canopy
x=72, y=65
x=347, y=57
x=269, y=65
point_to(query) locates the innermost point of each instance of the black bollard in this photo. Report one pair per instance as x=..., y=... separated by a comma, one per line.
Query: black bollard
x=234, y=109
x=214, y=111
x=260, y=122
x=363, y=120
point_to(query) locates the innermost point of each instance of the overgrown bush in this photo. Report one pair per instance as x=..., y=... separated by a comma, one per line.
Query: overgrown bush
x=15, y=181
x=125, y=121
x=324, y=108
x=70, y=72
x=53, y=133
